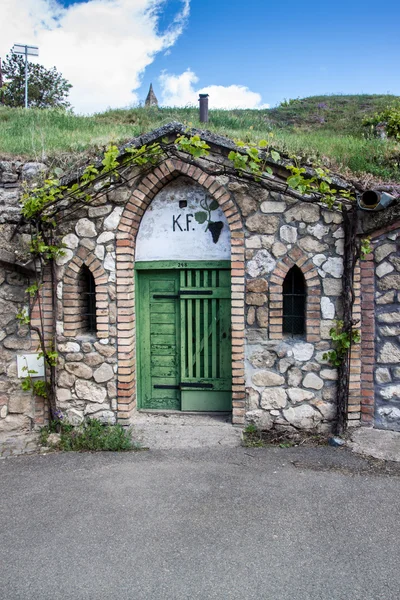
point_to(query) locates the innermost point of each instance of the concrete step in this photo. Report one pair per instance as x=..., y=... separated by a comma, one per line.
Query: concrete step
x=163, y=431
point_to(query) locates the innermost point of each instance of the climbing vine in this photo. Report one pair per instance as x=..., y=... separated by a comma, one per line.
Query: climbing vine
x=342, y=341
x=43, y=205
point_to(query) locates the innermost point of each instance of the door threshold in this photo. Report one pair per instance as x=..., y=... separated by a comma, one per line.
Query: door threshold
x=153, y=411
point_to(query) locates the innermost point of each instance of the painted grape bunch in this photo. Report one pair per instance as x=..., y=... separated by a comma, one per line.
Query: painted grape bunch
x=204, y=216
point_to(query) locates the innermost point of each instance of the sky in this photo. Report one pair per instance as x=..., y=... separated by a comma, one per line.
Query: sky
x=244, y=54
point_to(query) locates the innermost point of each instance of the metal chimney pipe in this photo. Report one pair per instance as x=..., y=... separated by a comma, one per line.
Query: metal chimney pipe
x=375, y=200
x=203, y=99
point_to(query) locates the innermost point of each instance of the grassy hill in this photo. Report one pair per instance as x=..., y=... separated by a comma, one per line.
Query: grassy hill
x=323, y=128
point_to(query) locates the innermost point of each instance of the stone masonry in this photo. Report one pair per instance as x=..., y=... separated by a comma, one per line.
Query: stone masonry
x=279, y=381
x=381, y=323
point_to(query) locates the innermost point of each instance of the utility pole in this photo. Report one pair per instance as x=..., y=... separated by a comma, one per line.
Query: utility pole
x=25, y=50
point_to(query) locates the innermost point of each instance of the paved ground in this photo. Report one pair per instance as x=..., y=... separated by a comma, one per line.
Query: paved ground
x=378, y=443
x=185, y=430
x=223, y=523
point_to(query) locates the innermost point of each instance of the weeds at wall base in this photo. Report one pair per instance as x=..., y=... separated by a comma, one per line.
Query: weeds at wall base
x=91, y=436
x=254, y=438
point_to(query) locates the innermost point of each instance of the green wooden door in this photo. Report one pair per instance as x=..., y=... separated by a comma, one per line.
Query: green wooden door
x=158, y=340
x=184, y=340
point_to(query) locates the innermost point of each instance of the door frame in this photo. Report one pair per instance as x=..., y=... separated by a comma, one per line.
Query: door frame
x=170, y=265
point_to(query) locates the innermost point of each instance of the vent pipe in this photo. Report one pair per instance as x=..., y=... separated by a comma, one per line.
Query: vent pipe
x=375, y=200
x=203, y=99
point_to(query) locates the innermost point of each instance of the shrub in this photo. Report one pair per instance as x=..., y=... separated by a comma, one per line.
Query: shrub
x=391, y=118
x=92, y=436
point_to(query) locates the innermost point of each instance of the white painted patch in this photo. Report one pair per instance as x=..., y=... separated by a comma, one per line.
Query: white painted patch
x=30, y=362
x=168, y=232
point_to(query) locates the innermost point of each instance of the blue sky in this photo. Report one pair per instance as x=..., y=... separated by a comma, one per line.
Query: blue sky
x=274, y=49
x=289, y=49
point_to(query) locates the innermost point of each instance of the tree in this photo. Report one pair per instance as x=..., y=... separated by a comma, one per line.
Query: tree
x=47, y=88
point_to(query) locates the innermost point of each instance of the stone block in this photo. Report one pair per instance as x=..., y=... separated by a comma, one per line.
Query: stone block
x=288, y=234
x=389, y=354
x=253, y=399
x=260, y=418
x=311, y=380
x=381, y=252
x=79, y=370
x=103, y=373
x=88, y=390
x=260, y=223
x=307, y=212
x=273, y=398
x=20, y=403
x=311, y=245
x=267, y=379
x=85, y=228
x=303, y=416
x=262, y=317
x=302, y=351
x=262, y=262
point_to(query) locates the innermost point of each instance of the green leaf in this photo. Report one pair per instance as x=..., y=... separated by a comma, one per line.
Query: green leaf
x=294, y=181
x=213, y=205
x=200, y=217
x=275, y=155
x=262, y=144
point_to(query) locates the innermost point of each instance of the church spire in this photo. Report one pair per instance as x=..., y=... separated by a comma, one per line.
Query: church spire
x=151, y=99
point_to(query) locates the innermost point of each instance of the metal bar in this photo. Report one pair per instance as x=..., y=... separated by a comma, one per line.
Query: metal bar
x=207, y=386
x=214, y=329
x=197, y=327
x=26, y=76
x=168, y=296
x=190, y=329
x=184, y=361
x=205, y=326
x=196, y=292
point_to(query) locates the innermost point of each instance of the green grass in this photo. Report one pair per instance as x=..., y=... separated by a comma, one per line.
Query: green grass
x=325, y=128
x=92, y=436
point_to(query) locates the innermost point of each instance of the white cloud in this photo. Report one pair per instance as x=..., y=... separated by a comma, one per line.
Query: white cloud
x=180, y=90
x=101, y=46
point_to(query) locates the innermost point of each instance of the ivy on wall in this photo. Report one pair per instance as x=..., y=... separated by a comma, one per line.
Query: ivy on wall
x=42, y=204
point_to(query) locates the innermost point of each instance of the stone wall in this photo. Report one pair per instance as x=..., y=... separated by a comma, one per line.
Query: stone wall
x=12, y=174
x=17, y=408
x=288, y=382
x=387, y=330
x=87, y=364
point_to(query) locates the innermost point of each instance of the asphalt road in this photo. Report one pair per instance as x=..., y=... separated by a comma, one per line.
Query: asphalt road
x=200, y=524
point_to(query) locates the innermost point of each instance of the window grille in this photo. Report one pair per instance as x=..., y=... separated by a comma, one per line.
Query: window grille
x=294, y=302
x=87, y=300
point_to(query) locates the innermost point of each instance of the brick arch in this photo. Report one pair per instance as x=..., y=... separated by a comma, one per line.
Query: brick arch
x=127, y=231
x=313, y=302
x=71, y=293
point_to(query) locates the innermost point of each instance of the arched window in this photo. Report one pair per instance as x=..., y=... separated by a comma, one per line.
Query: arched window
x=294, y=302
x=87, y=301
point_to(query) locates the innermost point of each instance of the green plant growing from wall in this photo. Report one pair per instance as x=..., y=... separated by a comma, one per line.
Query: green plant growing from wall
x=43, y=205
x=365, y=247
x=342, y=341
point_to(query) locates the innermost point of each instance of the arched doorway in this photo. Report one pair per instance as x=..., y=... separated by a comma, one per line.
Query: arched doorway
x=183, y=302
